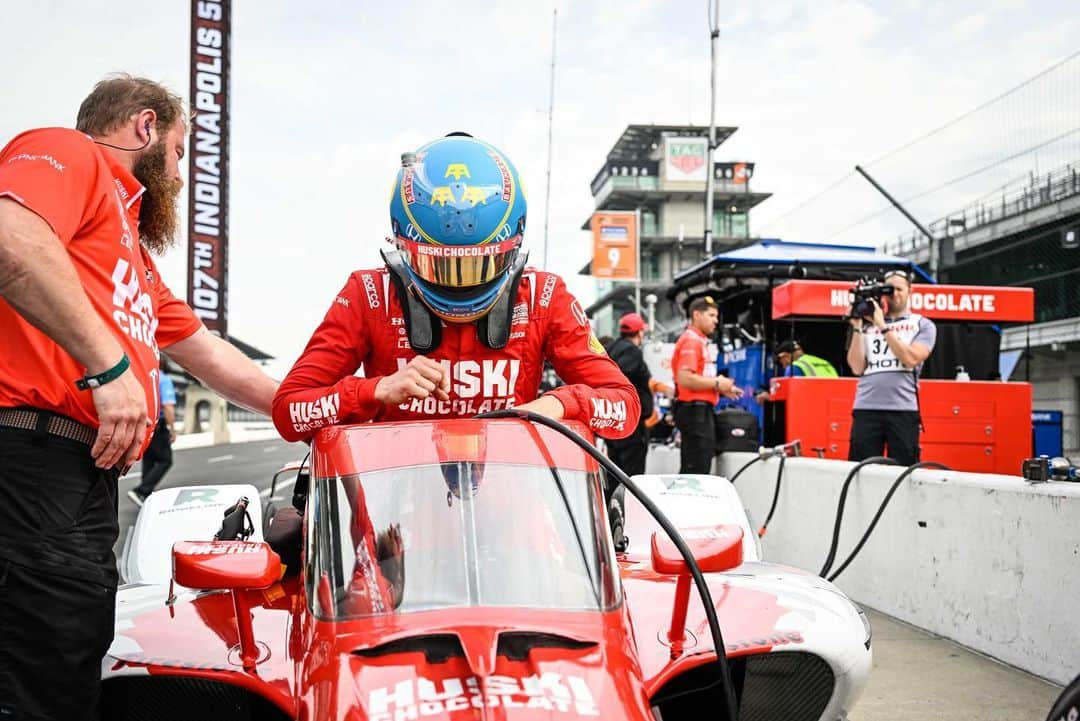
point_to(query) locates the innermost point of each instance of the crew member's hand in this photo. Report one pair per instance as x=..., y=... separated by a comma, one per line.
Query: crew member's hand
x=857, y=324
x=121, y=411
x=419, y=378
x=547, y=405
x=879, y=315
x=172, y=436
x=727, y=388
x=761, y=396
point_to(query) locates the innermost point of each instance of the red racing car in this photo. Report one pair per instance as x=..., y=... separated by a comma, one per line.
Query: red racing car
x=467, y=569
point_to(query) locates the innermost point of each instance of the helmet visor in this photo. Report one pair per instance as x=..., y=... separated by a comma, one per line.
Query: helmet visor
x=459, y=266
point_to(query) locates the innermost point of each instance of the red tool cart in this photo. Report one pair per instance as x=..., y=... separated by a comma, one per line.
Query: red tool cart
x=977, y=426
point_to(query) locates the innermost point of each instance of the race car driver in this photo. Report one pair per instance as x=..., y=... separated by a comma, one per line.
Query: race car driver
x=454, y=324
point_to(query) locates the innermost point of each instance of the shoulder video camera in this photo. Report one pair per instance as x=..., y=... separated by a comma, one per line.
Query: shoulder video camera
x=863, y=293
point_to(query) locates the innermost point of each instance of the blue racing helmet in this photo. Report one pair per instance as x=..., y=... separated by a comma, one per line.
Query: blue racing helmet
x=458, y=215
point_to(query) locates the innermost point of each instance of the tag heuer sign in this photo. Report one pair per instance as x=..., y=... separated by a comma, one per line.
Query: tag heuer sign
x=686, y=158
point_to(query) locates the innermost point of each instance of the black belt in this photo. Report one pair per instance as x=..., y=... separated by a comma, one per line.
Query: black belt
x=32, y=419
x=696, y=403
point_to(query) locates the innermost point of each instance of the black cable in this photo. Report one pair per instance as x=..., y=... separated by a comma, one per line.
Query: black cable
x=775, y=498
x=877, y=516
x=673, y=533
x=749, y=463
x=840, y=508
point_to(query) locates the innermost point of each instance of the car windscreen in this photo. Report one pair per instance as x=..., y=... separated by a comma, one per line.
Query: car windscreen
x=458, y=534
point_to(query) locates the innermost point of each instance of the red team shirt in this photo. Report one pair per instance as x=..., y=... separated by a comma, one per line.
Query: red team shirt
x=365, y=328
x=692, y=352
x=92, y=204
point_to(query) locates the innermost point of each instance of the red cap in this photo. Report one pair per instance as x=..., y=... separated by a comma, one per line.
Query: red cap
x=631, y=323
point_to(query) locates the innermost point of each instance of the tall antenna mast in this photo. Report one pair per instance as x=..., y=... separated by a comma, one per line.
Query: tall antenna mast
x=551, y=113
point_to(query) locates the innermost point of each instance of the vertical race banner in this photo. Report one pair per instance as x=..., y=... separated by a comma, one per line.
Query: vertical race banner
x=208, y=165
x=615, y=245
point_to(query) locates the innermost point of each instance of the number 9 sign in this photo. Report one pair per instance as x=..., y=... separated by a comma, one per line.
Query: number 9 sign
x=613, y=256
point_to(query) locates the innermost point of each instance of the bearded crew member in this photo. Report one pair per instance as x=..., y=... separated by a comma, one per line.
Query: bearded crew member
x=83, y=312
x=886, y=352
x=455, y=324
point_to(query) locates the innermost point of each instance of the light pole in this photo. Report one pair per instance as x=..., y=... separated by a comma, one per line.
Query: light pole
x=714, y=38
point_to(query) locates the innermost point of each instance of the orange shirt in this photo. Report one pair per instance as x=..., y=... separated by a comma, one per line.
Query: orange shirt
x=92, y=204
x=692, y=353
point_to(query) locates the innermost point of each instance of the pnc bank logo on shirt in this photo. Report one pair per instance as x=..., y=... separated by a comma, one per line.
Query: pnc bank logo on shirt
x=133, y=308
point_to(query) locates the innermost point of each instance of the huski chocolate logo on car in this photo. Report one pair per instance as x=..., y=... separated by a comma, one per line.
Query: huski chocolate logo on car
x=210, y=549
x=475, y=387
x=309, y=415
x=550, y=692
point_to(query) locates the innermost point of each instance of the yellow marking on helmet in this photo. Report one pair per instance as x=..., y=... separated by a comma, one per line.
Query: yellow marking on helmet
x=457, y=170
x=441, y=195
x=473, y=195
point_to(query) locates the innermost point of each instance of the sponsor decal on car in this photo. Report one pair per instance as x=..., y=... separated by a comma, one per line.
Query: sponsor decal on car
x=212, y=549
x=552, y=692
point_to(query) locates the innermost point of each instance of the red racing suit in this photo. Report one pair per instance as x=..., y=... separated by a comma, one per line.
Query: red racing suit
x=365, y=328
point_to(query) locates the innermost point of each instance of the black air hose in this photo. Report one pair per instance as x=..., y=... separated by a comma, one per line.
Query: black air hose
x=746, y=465
x=877, y=516
x=775, y=498
x=840, y=507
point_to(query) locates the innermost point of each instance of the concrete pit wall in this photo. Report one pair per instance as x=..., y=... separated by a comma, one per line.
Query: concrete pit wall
x=989, y=561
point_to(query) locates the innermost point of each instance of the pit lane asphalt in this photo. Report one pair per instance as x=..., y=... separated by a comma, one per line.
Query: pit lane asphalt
x=916, y=675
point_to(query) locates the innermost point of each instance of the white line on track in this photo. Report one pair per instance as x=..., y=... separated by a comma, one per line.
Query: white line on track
x=136, y=474
x=265, y=493
x=269, y=449
x=219, y=459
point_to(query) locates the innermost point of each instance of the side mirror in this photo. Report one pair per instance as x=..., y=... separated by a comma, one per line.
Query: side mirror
x=236, y=566
x=715, y=548
x=229, y=565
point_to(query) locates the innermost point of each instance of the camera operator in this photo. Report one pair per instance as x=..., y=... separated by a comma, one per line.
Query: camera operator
x=886, y=352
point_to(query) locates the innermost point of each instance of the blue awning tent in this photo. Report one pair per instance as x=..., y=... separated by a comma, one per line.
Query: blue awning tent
x=778, y=259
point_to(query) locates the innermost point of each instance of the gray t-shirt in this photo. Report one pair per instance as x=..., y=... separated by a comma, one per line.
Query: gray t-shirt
x=886, y=385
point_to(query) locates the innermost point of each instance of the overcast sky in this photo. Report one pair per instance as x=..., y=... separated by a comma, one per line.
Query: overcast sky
x=326, y=95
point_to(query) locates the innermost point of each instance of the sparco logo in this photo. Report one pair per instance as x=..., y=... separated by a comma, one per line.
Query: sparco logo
x=551, y=692
x=372, y=293
x=549, y=288
x=306, y=415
